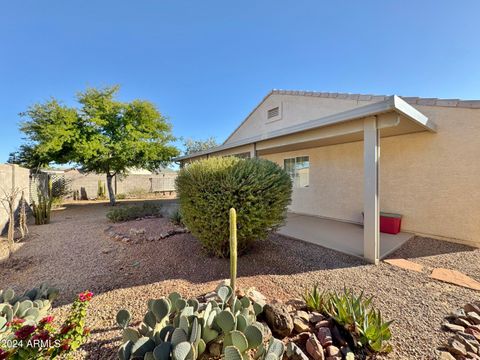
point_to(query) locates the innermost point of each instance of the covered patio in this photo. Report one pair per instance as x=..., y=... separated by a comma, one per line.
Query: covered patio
x=367, y=124
x=391, y=117
x=338, y=235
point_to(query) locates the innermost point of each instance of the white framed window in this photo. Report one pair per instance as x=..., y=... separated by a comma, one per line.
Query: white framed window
x=299, y=170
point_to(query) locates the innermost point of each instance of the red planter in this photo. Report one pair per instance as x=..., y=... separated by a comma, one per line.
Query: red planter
x=390, y=223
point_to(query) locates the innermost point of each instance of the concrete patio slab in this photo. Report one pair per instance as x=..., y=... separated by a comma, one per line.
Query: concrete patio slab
x=337, y=235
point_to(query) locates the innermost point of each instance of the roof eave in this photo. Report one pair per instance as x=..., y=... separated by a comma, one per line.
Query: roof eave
x=392, y=103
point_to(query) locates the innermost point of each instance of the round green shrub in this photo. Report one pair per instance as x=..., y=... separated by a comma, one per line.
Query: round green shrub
x=258, y=189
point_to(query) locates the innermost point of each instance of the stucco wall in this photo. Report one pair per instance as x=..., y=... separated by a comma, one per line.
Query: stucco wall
x=294, y=110
x=432, y=179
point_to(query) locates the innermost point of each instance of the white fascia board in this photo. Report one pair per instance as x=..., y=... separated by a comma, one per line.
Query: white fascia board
x=407, y=110
x=393, y=103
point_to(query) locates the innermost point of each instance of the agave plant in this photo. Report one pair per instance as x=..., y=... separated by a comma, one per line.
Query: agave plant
x=355, y=314
x=316, y=300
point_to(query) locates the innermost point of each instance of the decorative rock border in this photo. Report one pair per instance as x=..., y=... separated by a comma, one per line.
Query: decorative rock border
x=138, y=235
x=308, y=334
x=465, y=324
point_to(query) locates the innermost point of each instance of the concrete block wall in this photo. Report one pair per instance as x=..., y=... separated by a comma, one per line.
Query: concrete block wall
x=87, y=184
x=12, y=176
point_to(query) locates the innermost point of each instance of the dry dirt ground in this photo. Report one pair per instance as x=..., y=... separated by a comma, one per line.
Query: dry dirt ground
x=74, y=254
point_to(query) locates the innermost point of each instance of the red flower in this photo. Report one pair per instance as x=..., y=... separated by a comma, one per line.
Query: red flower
x=65, y=345
x=65, y=329
x=43, y=336
x=47, y=320
x=24, y=332
x=85, y=296
x=3, y=354
x=86, y=331
x=17, y=321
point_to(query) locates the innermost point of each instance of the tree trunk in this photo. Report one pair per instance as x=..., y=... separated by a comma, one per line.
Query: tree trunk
x=111, y=194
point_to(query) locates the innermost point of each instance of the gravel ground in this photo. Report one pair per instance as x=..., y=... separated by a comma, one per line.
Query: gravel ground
x=74, y=254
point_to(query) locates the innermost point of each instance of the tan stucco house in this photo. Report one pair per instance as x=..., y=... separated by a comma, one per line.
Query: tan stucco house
x=350, y=154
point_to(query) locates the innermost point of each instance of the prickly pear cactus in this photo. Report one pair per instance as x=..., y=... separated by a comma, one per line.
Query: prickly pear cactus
x=179, y=329
x=32, y=306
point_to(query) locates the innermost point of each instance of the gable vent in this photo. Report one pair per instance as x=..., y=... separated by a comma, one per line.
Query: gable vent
x=273, y=112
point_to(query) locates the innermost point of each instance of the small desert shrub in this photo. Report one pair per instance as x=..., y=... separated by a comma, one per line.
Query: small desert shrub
x=121, y=196
x=133, y=212
x=176, y=218
x=137, y=193
x=258, y=189
x=356, y=314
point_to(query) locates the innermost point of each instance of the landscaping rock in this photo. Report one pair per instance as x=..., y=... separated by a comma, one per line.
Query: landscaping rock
x=462, y=322
x=333, y=351
x=475, y=327
x=301, y=338
x=293, y=352
x=471, y=307
x=278, y=319
x=405, y=264
x=453, y=327
x=475, y=333
x=314, y=348
x=315, y=317
x=297, y=304
x=467, y=336
x=337, y=337
x=459, y=313
x=255, y=295
x=325, y=336
x=302, y=315
x=300, y=325
x=322, y=323
x=456, y=348
x=471, y=345
x=446, y=356
x=473, y=317
x=455, y=277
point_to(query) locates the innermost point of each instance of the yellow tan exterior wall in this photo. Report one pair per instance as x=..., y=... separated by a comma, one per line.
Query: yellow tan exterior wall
x=432, y=179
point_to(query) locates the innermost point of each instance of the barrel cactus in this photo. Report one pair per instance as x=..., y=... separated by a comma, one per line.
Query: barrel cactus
x=179, y=329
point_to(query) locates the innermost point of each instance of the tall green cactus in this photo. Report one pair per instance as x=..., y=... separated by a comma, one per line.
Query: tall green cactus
x=42, y=210
x=233, y=248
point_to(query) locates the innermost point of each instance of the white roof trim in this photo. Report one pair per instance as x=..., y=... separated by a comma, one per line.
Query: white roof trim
x=392, y=103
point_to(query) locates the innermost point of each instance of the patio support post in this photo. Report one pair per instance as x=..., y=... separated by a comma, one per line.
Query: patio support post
x=371, y=207
x=254, y=151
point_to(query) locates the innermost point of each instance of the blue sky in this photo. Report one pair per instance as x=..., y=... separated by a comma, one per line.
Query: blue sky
x=206, y=64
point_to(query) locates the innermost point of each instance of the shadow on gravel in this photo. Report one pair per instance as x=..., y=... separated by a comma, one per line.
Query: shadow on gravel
x=97, y=350
x=423, y=247
x=86, y=258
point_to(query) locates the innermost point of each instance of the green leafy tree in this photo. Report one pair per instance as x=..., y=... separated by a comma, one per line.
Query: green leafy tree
x=27, y=157
x=103, y=135
x=193, y=146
